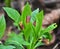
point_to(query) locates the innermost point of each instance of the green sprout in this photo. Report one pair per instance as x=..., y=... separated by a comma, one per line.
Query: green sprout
x=30, y=24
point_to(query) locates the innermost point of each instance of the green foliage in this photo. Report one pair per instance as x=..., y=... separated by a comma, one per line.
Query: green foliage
x=31, y=35
x=26, y=12
x=16, y=40
x=33, y=14
x=2, y=26
x=27, y=31
x=51, y=27
x=39, y=19
x=13, y=14
x=6, y=47
x=38, y=44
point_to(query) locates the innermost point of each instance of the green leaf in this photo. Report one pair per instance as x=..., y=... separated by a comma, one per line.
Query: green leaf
x=47, y=35
x=13, y=14
x=33, y=32
x=18, y=47
x=2, y=26
x=33, y=15
x=46, y=32
x=6, y=47
x=27, y=31
x=16, y=39
x=26, y=12
x=23, y=41
x=39, y=19
x=50, y=28
x=38, y=44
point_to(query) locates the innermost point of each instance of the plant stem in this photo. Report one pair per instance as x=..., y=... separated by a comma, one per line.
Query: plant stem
x=30, y=47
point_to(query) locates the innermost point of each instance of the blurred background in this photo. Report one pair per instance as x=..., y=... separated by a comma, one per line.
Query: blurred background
x=51, y=15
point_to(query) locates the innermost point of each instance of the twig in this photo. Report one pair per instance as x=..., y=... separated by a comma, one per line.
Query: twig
x=56, y=46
